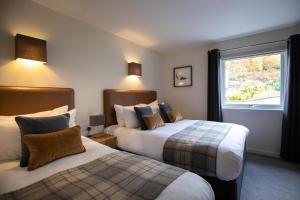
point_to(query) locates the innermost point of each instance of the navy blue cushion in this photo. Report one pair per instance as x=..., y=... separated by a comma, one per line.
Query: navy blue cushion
x=39, y=125
x=163, y=109
x=140, y=112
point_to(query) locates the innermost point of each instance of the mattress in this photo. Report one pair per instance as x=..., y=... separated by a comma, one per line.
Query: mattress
x=150, y=143
x=13, y=177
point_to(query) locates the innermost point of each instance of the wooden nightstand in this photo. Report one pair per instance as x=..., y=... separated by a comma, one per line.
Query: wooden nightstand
x=106, y=139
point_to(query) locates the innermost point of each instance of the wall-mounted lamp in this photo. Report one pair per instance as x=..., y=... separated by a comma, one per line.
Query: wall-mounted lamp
x=30, y=48
x=134, y=69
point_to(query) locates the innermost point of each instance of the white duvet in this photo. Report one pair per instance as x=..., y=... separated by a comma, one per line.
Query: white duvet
x=12, y=177
x=150, y=143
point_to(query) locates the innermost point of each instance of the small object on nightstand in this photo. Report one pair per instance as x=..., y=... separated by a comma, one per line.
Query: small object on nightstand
x=106, y=139
x=95, y=120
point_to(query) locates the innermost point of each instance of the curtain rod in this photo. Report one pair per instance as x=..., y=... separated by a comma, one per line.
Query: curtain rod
x=253, y=45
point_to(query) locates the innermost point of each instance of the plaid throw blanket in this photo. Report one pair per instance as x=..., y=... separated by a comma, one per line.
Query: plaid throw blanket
x=117, y=175
x=195, y=147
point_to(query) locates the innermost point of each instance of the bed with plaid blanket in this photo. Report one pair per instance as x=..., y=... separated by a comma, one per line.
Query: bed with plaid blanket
x=195, y=147
x=117, y=175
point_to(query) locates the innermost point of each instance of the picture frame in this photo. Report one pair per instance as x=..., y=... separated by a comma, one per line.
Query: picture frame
x=183, y=76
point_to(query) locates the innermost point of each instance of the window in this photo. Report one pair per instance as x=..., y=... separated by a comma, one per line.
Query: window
x=253, y=81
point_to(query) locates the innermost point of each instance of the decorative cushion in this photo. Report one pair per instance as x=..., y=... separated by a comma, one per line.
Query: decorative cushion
x=174, y=116
x=140, y=112
x=48, y=147
x=39, y=125
x=164, y=108
x=153, y=121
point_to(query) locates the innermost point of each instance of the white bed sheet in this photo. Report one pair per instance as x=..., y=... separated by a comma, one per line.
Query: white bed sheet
x=150, y=143
x=13, y=177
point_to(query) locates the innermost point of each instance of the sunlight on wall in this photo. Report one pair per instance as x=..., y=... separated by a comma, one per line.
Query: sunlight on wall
x=29, y=73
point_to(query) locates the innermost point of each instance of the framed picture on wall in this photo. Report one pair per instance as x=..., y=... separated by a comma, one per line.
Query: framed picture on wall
x=183, y=76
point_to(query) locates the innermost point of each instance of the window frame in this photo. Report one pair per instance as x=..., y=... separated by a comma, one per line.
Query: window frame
x=250, y=106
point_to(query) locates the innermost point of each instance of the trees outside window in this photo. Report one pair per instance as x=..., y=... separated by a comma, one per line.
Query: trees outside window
x=255, y=80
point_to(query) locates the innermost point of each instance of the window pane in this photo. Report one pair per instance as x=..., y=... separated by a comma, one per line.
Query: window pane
x=253, y=80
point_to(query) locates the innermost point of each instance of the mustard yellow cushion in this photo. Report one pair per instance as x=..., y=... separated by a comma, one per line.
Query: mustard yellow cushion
x=153, y=121
x=48, y=147
x=174, y=116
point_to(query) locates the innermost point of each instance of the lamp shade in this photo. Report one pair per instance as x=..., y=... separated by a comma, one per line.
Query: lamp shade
x=30, y=48
x=134, y=69
x=97, y=120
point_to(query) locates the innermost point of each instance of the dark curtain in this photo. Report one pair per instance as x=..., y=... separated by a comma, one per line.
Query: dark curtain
x=214, y=110
x=290, y=143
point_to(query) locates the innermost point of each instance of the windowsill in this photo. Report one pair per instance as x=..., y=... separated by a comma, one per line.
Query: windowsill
x=252, y=108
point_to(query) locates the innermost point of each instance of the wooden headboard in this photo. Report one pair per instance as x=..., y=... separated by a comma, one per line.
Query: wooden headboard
x=24, y=100
x=124, y=98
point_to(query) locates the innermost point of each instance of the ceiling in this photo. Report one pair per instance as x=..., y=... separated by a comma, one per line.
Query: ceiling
x=166, y=25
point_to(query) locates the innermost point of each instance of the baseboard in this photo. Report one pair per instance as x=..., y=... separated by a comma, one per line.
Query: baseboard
x=263, y=152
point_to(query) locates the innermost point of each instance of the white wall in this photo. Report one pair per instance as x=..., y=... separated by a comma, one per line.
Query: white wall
x=265, y=126
x=79, y=56
x=190, y=101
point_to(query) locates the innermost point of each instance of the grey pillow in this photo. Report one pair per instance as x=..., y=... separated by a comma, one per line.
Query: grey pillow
x=39, y=125
x=140, y=112
x=163, y=109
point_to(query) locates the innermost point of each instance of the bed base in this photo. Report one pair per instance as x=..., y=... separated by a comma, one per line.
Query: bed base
x=227, y=190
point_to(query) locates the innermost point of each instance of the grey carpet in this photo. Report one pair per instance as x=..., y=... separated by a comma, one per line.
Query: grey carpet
x=269, y=178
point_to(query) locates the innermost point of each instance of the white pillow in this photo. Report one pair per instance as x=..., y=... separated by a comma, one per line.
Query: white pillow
x=55, y=111
x=128, y=119
x=72, y=121
x=10, y=141
x=60, y=110
x=10, y=136
x=119, y=115
x=154, y=106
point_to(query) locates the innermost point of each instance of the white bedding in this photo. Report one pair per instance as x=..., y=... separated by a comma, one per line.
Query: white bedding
x=12, y=177
x=150, y=143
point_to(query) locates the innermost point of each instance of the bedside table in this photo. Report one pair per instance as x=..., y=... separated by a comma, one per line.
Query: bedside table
x=106, y=139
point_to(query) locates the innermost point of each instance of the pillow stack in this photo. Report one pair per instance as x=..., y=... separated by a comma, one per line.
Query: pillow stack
x=10, y=136
x=39, y=125
x=39, y=138
x=146, y=116
x=45, y=139
x=127, y=116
